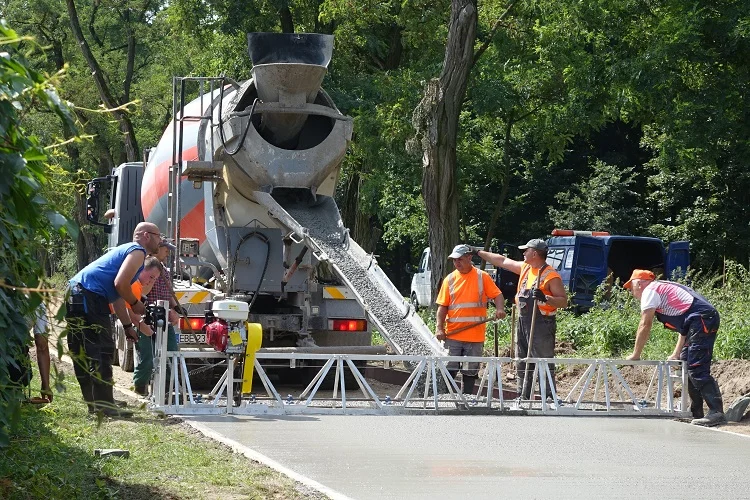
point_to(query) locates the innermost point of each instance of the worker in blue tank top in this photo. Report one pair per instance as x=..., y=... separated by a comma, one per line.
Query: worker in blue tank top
x=90, y=342
x=682, y=309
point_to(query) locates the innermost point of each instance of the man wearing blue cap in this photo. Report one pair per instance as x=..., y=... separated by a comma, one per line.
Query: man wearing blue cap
x=161, y=289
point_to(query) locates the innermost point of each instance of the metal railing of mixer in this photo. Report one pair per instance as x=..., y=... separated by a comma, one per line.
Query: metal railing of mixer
x=178, y=120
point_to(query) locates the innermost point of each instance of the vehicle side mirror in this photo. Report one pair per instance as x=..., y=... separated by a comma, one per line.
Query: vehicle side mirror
x=409, y=268
x=92, y=202
x=93, y=188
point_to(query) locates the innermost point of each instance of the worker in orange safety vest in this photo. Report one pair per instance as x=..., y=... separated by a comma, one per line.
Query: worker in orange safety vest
x=539, y=286
x=462, y=302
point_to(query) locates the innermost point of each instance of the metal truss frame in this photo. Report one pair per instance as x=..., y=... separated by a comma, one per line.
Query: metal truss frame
x=602, y=389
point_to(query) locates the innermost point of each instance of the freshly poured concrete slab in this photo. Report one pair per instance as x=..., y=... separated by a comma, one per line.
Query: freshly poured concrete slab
x=498, y=456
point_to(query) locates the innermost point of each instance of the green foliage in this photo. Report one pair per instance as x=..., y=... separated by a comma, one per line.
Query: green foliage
x=26, y=220
x=603, y=202
x=51, y=455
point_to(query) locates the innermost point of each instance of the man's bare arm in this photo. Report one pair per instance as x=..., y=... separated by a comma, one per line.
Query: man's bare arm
x=442, y=312
x=498, y=260
x=559, y=297
x=643, y=333
x=125, y=277
x=43, y=361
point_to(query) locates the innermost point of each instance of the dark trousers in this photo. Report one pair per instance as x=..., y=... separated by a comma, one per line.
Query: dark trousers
x=545, y=332
x=91, y=346
x=698, y=352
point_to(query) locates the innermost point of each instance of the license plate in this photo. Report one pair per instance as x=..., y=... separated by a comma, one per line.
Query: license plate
x=192, y=338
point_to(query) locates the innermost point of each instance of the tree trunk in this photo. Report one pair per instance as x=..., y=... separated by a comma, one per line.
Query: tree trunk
x=126, y=126
x=285, y=16
x=359, y=224
x=436, y=122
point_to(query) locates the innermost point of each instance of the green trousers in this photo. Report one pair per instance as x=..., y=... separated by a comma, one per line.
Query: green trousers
x=144, y=352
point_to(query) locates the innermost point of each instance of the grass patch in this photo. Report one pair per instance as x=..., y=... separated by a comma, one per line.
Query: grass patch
x=51, y=455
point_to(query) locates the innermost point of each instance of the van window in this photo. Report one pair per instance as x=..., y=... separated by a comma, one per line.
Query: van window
x=424, y=264
x=569, y=259
x=555, y=257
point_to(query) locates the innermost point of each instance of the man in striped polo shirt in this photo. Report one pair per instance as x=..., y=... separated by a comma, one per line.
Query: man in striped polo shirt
x=682, y=309
x=160, y=289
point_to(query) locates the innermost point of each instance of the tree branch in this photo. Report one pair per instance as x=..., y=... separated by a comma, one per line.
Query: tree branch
x=494, y=29
x=92, y=19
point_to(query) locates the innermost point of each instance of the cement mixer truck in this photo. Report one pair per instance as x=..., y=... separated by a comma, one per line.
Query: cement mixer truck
x=243, y=179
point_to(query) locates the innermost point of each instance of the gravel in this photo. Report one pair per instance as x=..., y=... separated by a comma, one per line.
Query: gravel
x=332, y=238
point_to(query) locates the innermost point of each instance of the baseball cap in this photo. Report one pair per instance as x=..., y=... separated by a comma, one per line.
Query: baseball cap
x=459, y=251
x=167, y=243
x=639, y=274
x=536, y=244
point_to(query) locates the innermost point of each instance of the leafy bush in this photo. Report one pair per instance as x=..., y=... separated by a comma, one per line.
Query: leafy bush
x=25, y=218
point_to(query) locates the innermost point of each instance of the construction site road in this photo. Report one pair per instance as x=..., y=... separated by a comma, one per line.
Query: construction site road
x=493, y=456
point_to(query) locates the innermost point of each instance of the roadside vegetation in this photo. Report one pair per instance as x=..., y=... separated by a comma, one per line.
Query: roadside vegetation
x=51, y=455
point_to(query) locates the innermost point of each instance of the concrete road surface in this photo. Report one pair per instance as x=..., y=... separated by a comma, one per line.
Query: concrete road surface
x=404, y=457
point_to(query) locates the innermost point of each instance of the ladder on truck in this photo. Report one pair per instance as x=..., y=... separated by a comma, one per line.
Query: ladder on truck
x=197, y=171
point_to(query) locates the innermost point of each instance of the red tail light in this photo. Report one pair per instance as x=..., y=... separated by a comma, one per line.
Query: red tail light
x=195, y=323
x=347, y=325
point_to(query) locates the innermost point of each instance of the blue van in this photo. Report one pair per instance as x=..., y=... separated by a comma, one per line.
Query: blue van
x=585, y=259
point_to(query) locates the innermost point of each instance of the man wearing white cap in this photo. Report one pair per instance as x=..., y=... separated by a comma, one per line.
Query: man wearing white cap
x=541, y=287
x=462, y=305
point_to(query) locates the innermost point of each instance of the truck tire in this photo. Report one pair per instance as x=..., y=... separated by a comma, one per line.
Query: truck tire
x=414, y=301
x=125, y=357
x=113, y=330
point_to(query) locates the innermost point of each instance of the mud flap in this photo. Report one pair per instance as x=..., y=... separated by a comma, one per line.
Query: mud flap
x=254, y=341
x=737, y=409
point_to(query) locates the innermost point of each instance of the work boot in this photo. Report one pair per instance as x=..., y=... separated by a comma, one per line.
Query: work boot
x=116, y=413
x=713, y=419
x=712, y=396
x=141, y=389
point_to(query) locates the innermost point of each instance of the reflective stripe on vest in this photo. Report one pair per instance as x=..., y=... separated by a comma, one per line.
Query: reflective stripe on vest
x=545, y=309
x=465, y=305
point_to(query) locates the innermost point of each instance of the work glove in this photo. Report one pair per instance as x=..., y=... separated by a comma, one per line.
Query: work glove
x=475, y=250
x=539, y=295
